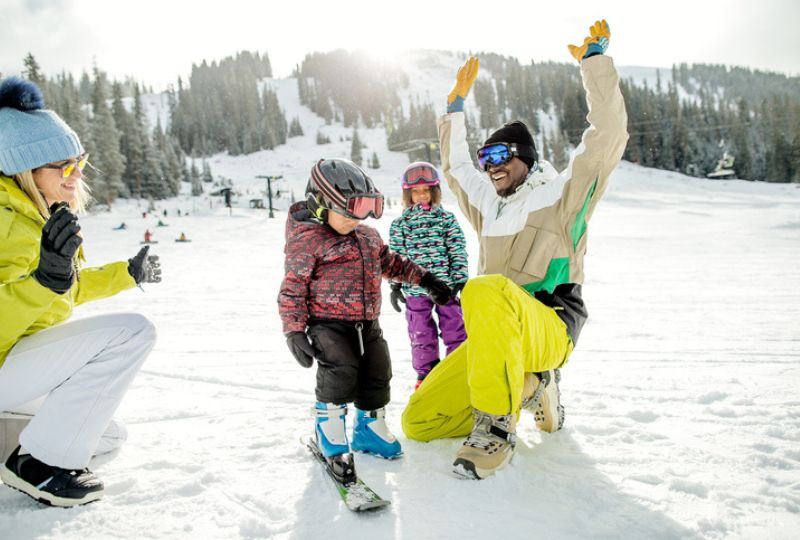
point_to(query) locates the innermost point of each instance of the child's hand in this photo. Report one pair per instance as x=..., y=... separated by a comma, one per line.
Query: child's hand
x=397, y=296
x=457, y=287
x=437, y=289
x=301, y=348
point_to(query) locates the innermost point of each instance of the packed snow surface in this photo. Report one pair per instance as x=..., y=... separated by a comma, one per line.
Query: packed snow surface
x=683, y=418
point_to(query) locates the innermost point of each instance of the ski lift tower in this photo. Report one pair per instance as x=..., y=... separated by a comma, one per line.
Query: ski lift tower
x=269, y=179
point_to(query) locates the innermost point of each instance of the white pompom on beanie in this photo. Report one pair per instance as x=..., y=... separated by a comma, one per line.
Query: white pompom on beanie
x=30, y=135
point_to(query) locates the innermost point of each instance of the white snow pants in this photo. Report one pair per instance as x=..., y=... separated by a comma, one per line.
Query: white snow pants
x=83, y=368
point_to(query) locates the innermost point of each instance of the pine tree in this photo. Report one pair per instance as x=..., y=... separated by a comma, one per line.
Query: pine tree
x=322, y=138
x=69, y=107
x=197, y=185
x=106, y=140
x=151, y=181
x=171, y=164
x=206, y=176
x=295, y=129
x=355, y=149
x=33, y=72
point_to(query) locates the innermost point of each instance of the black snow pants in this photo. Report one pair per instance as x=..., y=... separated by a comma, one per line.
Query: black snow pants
x=353, y=362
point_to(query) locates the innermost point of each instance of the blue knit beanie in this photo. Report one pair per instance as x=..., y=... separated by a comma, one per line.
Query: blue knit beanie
x=31, y=136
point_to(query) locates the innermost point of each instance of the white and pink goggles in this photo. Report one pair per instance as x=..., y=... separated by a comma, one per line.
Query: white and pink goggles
x=420, y=173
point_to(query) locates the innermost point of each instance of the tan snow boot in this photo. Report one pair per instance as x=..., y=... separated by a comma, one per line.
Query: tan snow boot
x=488, y=448
x=541, y=396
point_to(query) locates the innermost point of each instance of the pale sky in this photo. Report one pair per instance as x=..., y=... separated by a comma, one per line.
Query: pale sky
x=157, y=40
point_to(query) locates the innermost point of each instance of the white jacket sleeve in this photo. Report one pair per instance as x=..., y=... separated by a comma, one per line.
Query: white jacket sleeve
x=471, y=187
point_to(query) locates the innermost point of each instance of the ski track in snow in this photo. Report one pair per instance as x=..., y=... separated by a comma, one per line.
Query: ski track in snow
x=683, y=418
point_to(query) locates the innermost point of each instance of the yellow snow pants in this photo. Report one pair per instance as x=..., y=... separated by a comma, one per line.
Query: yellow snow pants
x=509, y=332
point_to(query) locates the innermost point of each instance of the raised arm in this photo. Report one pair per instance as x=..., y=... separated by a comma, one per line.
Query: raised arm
x=471, y=188
x=604, y=140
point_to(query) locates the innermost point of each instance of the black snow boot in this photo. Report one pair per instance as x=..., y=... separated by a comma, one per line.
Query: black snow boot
x=50, y=485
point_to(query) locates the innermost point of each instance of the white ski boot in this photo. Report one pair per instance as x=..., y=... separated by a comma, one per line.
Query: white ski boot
x=329, y=428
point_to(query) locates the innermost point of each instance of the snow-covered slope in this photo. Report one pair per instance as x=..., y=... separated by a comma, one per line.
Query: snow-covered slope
x=683, y=419
x=682, y=411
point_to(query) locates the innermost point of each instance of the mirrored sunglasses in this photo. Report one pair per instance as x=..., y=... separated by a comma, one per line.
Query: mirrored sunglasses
x=68, y=168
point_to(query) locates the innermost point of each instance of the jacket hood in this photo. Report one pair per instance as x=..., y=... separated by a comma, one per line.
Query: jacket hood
x=299, y=220
x=12, y=195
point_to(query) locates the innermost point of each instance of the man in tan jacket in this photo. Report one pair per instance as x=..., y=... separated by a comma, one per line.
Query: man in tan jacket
x=524, y=312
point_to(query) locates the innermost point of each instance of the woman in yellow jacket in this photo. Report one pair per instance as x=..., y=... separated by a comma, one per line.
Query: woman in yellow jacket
x=82, y=369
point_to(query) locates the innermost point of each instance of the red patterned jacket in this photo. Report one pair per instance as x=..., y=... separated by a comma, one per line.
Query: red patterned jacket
x=334, y=276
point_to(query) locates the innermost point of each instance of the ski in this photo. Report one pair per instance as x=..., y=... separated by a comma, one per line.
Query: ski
x=357, y=495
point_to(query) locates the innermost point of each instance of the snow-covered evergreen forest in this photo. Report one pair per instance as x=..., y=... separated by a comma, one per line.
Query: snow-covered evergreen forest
x=145, y=144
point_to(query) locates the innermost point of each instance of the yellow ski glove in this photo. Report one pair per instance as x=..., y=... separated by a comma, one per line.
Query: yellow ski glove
x=595, y=43
x=464, y=80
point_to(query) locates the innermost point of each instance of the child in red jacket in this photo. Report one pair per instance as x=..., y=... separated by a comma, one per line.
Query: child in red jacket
x=329, y=303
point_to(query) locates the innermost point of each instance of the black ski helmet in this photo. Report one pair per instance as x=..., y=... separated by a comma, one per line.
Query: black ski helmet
x=333, y=182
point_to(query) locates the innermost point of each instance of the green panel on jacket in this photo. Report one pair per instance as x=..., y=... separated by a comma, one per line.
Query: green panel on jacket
x=557, y=273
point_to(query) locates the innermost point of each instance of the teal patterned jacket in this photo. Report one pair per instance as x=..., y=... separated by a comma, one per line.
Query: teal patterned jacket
x=433, y=240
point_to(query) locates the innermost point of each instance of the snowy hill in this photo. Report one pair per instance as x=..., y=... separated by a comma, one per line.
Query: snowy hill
x=683, y=419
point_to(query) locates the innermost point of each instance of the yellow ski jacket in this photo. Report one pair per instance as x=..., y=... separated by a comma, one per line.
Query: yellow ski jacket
x=26, y=306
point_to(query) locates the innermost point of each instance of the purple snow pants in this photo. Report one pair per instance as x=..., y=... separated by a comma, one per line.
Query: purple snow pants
x=424, y=334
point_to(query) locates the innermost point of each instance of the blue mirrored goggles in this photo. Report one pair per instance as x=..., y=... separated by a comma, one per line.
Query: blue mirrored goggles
x=496, y=154
x=493, y=155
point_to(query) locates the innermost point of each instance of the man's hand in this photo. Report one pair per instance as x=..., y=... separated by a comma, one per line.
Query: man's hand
x=595, y=43
x=437, y=289
x=301, y=348
x=465, y=78
x=144, y=268
x=397, y=297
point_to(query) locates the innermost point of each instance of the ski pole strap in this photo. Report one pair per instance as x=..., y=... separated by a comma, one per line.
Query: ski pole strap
x=359, y=327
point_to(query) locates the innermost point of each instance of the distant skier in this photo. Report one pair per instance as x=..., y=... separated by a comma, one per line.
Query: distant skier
x=182, y=238
x=431, y=237
x=121, y=227
x=81, y=368
x=524, y=313
x=148, y=236
x=330, y=300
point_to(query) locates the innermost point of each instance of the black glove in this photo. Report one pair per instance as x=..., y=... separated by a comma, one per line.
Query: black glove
x=397, y=296
x=301, y=348
x=457, y=287
x=437, y=289
x=145, y=268
x=59, y=243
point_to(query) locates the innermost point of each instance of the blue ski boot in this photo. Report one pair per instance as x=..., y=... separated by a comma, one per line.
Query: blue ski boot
x=330, y=429
x=371, y=435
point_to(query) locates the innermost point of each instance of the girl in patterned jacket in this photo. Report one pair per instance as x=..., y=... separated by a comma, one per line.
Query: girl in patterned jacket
x=431, y=237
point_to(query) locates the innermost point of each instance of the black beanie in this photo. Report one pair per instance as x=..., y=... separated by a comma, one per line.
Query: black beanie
x=516, y=132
